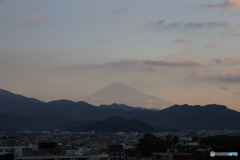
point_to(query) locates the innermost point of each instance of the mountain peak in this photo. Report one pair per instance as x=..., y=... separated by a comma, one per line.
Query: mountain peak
x=215, y=106
x=118, y=88
x=60, y=102
x=117, y=83
x=118, y=92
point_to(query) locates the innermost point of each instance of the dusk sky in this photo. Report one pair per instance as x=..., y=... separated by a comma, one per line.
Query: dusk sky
x=185, y=52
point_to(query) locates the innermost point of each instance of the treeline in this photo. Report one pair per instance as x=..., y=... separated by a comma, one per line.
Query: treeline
x=224, y=143
x=150, y=143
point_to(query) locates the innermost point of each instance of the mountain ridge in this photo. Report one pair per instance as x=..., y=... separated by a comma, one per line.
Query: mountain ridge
x=177, y=116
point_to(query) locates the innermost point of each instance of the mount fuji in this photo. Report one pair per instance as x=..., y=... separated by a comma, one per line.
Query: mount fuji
x=117, y=92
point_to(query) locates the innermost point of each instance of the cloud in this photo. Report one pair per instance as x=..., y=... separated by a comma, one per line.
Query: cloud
x=126, y=63
x=229, y=77
x=180, y=63
x=228, y=90
x=149, y=101
x=225, y=88
x=211, y=45
x=188, y=51
x=161, y=22
x=218, y=61
x=149, y=104
x=206, y=24
x=231, y=34
x=95, y=98
x=188, y=41
x=33, y=19
x=126, y=22
x=231, y=60
x=121, y=10
x=217, y=24
x=174, y=24
x=227, y=4
x=234, y=34
x=155, y=65
x=194, y=25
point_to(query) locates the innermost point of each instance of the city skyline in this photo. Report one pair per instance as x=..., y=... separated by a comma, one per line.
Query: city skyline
x=184, y=52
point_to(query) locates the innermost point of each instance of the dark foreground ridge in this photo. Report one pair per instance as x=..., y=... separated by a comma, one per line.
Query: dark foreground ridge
x=115, y=124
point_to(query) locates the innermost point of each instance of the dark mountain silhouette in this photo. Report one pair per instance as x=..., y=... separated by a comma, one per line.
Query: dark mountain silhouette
x=121, y=106
x=198, y=117
x=178, y=116
x=14, y=123
x=60, y=102
x=120, y=93
x=6, y=96
x=118, y=124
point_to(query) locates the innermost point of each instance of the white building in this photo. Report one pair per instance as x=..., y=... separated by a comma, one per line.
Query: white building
x=6, y=150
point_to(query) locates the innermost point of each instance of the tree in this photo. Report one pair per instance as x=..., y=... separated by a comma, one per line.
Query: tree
x=170, y=139
x=223, y=143
x=149, y=144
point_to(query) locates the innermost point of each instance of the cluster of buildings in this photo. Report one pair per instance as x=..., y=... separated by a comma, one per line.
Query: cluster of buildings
x=91, y=146
x=67, y=146
x=54, y=151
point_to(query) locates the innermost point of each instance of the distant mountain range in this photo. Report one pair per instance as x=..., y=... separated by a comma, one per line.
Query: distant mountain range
x=76, y=113
x=121, y=93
